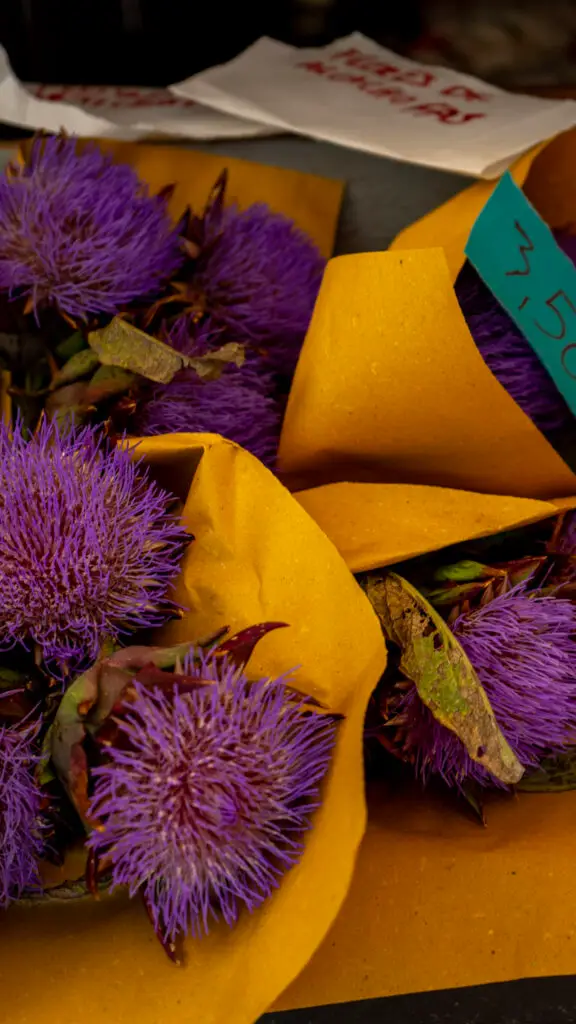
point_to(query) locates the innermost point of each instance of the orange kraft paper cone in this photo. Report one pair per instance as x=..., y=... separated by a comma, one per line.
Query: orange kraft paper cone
x=390, y=387
x=256, y=556
x=437, y=901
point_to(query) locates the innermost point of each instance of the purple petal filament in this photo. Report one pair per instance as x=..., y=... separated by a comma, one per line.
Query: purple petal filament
x=508, y=354
x=205, y=806
x=233, y=405
x=20, y=804
x=260, y=275
x=81, y=232
x=87, y=548
x=523, y=648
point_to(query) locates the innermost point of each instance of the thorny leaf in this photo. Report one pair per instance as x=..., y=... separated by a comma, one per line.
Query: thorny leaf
x=434, y=661
x=240, y=647
x=174, y=950
x=555, y=775
x=80, y=365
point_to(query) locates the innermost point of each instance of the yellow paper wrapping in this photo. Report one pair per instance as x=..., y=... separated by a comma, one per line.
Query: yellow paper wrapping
x=436, y=901
x=439, y=902
x=256, y=556
x=312, y=202
x=390, y=387
x=546, y=174
x=373, y=525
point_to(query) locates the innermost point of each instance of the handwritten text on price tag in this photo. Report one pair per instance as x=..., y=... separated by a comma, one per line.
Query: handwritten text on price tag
x=516, y=254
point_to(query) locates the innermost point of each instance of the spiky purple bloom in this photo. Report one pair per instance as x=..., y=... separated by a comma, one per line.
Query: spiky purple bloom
x=506, y=352
x=523, y=648
x=87, y=548
x=260, y=275
x=232, y=406
x=20, y=800
x=81, y=232
x=205, y=804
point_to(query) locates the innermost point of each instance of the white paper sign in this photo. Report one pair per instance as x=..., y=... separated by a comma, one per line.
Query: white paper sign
x=114, y=111
x=361, y=95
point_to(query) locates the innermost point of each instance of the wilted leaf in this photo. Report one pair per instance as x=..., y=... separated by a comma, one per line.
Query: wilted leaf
x=122, y=344
x=81, y=364
x=210, y=366
x=555, y=775
x=434, y=661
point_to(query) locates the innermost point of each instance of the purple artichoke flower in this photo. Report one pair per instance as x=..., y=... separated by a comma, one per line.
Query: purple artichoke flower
x=234, y=406
x=87, y=549
x=260, y=276
x=523, y=648
x=20, y=800
x=81, y=232
x=205, y=802
x=507, y=353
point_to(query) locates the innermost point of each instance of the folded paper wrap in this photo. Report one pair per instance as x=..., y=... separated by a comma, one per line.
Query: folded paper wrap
x=436, y=901
x=373, y=525
x=390, y=387
x=256, y=556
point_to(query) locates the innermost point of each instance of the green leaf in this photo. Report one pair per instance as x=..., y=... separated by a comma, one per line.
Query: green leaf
x=555, y=775
x=67, y=348
x=434, y=661
x=461, y=572
x=107, y=382
x=122, y=344
x=81, y=364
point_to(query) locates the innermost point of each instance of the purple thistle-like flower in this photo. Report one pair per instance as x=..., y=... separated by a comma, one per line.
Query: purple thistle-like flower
x=260, y=275
x=20, y=801
x=234, y=406
x=87, y=548
x=506, y=352
x=523, y=648
x=81, y=232
x=205, y=803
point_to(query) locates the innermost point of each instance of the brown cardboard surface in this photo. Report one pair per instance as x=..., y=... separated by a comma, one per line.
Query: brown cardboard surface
x=257, y=556
x=439, y=902
x=390, y=387
x=373, y=525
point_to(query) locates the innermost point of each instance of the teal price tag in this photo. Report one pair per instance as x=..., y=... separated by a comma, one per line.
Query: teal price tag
x=516, y=255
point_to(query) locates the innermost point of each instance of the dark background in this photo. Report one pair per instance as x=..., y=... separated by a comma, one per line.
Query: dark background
x=156, y=42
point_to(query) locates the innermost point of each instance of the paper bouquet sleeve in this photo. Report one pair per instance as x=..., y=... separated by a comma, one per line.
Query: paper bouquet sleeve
x=311, y=201
x=436, y=900
x=390, y=387
x=256, y=556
